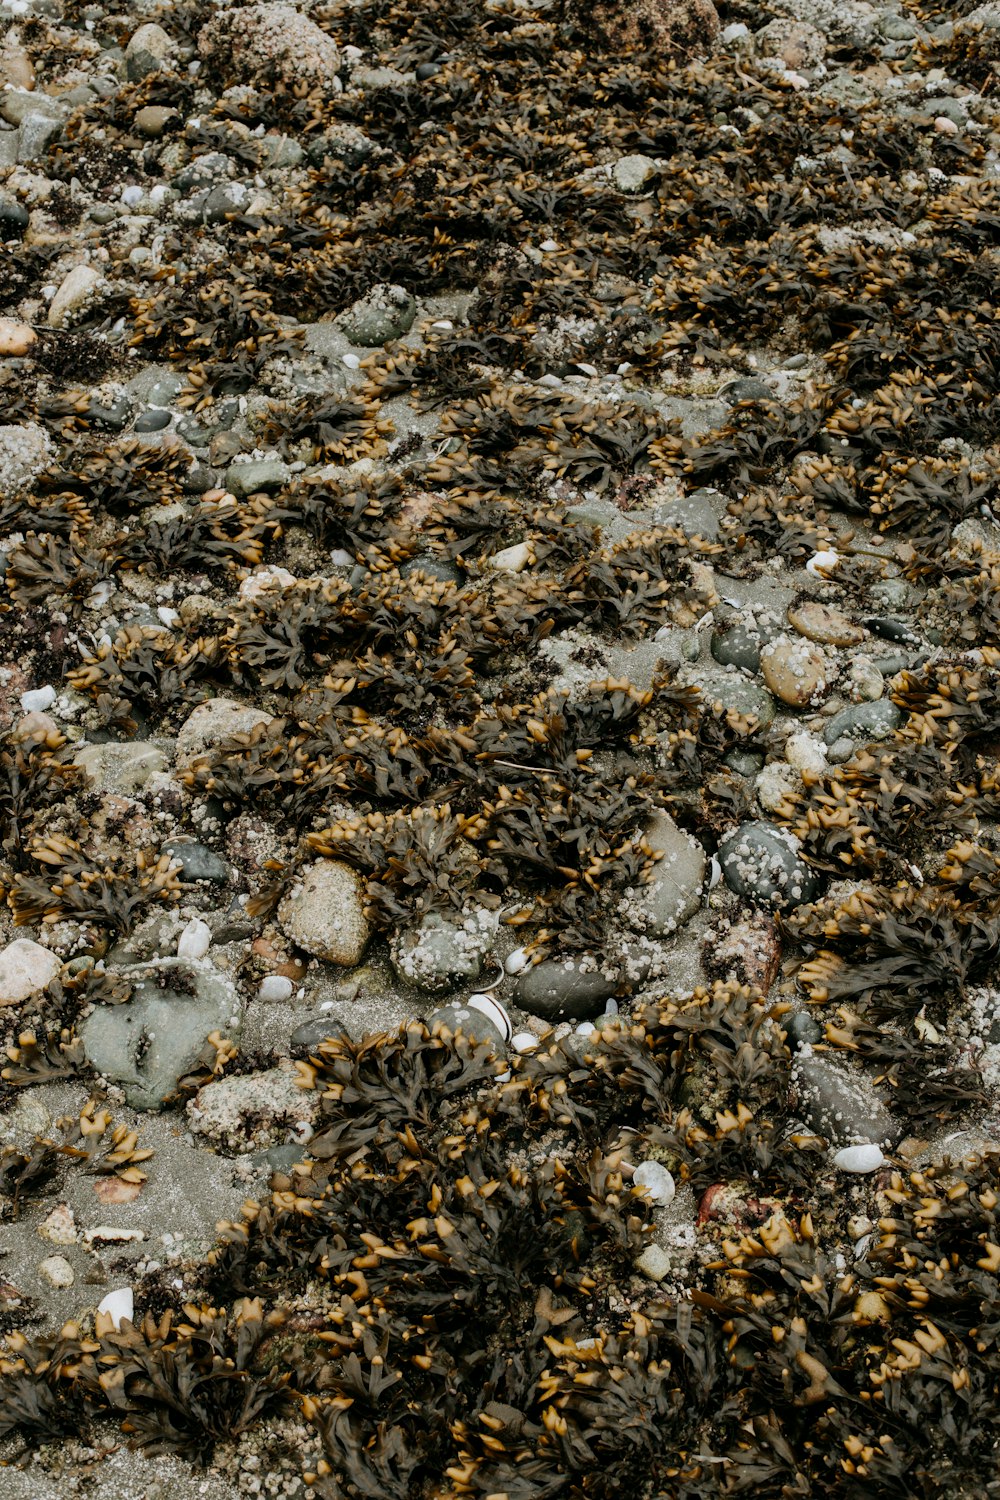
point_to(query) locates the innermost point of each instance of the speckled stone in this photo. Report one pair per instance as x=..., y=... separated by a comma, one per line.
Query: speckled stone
x=762, y=862
x=794, y=671
x=746, y=698
x=836, y=1106
x=863, y=722
x=822, y=623
x=673, y=893
x=324, y=913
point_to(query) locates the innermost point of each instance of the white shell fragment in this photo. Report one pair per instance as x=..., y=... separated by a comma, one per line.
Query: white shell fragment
x=194, y=940
x=821, y=561
x=119, y=1304
x=516, y=961
x=524, y=1041
x=867, y=1158
x=493, y=1011
x=656, y=1182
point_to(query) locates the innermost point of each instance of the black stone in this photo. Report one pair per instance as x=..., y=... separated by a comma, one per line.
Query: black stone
x=197, y=862
x=153, y=421
x=560, y=993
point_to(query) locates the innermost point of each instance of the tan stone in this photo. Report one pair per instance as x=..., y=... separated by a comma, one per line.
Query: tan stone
x=794, y=671
x=16, y=69
x=15, y=338
x=25, y=969
x=152, y=120
x=823, y=623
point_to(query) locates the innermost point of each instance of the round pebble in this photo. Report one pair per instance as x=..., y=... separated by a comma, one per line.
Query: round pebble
x=656, y=1182
x=763, y=862
x=861, y=1159
x=822, y=623
x=275, y=987
x=794, y=672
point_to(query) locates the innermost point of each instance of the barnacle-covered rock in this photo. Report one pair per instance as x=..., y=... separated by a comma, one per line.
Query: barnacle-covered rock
x=381, y=315
x=763, y=862
x=837, y=1106
x=560, y=989
x=25, y=969
x=251, y=1111
x=441, y=951
x=324, y=912
x=214, y=721
x=247, y=40
x=672, y=894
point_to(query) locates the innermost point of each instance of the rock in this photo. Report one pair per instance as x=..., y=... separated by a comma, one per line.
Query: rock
x=259, y=474
x=796, y=43
x=442, y=952
x=16, y=338
x=57, y=1271
x=383, y=314
x=744, y=762
x=265, y=580
x=560, y=989
x=14, y=218
x=197, y=862
x=280, y=152
x=147, y=51
x=656, y=1182
x=822, y=623
x=748, y=951
x=38, y=130
x=740, y=636
x=865, y=682
x=243, y=41
x=215, y=205
x=835, y=1105
x=512, y=559
x=889, y=629
x=324, y=913
x=632, y=173
x=38, y=700
x=654, y=1262
x=475, y=1022
x=651, y=27
x=152, y=421
x=59, y=1226
x=195, y=940
x=745, y=698
x=866, y=1158
x=673, y=893
x=763, y=862
x=805, y=753
x=151, y=1041
x=864, y=722
x=25, y=450
x=775, y=784
x=801, y=1029
x=275, y=987
x=121, y=768
x=75, y=292
x=152, y=120
x=747, y=388
x=252, y=1111
x=25, y=969
x=16, y=68
x=696, y=514
x=794, y=672
x=213, y=721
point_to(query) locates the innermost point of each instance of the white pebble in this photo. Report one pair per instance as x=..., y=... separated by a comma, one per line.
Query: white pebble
x=194, y=940
x=341, y=558
x=39, y=700
x=524, y=1041
x=120, y=1305
x=275, y=987
x=822, y=560
x=351, y=361
x=867, y=1158
x=548, y=245
x=169, y=616
x=131, y=196
x=516, y=961
x=656, y=1180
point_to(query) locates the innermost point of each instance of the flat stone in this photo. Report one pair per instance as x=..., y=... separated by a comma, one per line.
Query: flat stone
x=17, y=104
x=38, y=131
x=864, y=722
x=383, y=314
x=696, y=514
x=746, y=388
x=25, y=969
x=259, y=474
x=673, y=893
x=740, y=637
x=324, y=913
x=794, y=671
x=559, y=989
x=763, y=862
x=216, y=720
x=822, y=623
x=252, y=1111
x=121, y=768
x=472, y=1023
x=152, y=421
x=836, y=1106
x=197, y=862
x=442, y=952
x=151, y=1041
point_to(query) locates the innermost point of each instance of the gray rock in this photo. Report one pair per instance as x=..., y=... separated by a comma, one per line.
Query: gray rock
x=121, y=768
x=740, y=635
x=147, y=51
x=197, y=862
x=163, y=390
x=633, y=173
x=258, y=474
x=746, y=388
x=279, y=151
x=442, y=952
x=743, y=697
x=250, y=1111
x=744, y=762
x=673, y=894
x=472, y=1024
x=559, y=989
x=216, y=204
x=153, y=421
x=434, y=567
x=801, y=1028
x=696, y=514
x=149, y=1043
x=36, y=135
x=25, y=450
x=383, y=314
x=307, y=1037
x=762, y=862
x=864, y=722
x=345, y=143
x=112, y=414
x=282, y=1158
x=836, y=1106
x=205, y=171
x=13, y=217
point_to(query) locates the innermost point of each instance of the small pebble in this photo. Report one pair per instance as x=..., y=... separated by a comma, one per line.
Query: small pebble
x=656, y=1181
x=860, y=1159
x=119, y=1306
x=275, y=987
x=194, y=941
x=39, y=700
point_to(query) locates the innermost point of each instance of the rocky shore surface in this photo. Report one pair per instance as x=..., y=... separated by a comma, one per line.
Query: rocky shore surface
x=499, y=796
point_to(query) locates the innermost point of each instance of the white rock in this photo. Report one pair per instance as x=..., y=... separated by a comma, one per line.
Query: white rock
x=341, y=558
x=805, y=752
x=119, y=1305
x=822, y=561
x=25, y=969
x=215, y=720
x=524, y=1041
x=57, y=1271
x=867, y=1158
x=195, y=940
x=275, y=987
x=654, y=1262
x=38, y=700
x=111, y=1234
x=656, y=1181
x=515, y=962
x=512, y=559
x=76, y=290
x=262, y=580
x=776, y=782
